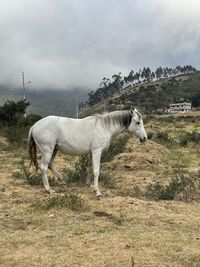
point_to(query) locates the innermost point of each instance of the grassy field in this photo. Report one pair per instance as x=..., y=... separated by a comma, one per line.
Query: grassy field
x=133, y=224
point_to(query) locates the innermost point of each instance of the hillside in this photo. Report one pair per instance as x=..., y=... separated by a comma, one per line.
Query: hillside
x=152, y=96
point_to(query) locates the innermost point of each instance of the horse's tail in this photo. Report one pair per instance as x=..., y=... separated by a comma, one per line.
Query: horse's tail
x=32, y=150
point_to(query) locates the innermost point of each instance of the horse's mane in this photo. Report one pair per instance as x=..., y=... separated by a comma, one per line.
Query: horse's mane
x=123, y=118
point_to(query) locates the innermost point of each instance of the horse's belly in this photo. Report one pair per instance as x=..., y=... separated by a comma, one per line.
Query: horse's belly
x=73, y=150
x=74, y=141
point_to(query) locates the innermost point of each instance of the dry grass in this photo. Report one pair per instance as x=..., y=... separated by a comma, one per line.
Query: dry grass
x=153, y=233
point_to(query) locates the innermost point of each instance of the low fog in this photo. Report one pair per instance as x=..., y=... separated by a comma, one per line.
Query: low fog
x=64, y=43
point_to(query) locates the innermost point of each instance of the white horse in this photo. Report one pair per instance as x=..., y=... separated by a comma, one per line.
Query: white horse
x=80, y=136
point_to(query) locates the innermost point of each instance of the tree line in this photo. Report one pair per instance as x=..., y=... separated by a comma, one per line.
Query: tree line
x=108, y=86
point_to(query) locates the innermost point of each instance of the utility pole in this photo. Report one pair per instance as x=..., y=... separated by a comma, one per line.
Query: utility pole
x=23, y=86
x=24, y=89
x=76, y=108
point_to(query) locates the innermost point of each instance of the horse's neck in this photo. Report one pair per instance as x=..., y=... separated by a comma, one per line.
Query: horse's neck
x=115, y=130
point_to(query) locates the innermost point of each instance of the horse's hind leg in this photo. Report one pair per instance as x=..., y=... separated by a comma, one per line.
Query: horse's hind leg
x=46, y=157
x=89, y=171
x=52, y=166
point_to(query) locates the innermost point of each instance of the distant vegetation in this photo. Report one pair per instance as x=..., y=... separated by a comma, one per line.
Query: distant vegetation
x=14, y=125
x=118, y=83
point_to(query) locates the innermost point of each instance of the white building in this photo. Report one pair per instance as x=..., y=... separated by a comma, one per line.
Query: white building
x=180, y=107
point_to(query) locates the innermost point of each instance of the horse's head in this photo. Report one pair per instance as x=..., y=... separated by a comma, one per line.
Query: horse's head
x=136, y=125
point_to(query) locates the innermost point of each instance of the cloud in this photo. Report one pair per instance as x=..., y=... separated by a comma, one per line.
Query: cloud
x=65, y=43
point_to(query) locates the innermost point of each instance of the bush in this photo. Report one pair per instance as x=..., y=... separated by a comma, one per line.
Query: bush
x=14, y=126
x=80, y=173
x=183, y=186
x=29, y=178
x=11, y=112
x=108, y=181
x=70, y=201
x=190, y=137
x=16, y=134
x=163, y=137
x=150, y=135
x=117, y=146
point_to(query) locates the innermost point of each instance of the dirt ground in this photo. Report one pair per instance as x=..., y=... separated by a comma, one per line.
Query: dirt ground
x=117, y=230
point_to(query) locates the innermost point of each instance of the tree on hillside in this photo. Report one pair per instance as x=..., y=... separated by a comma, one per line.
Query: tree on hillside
x=130, y=78
x=148, y=74
x=153, y=75
x=117, y=82
x=108, y=87
x=159, y=72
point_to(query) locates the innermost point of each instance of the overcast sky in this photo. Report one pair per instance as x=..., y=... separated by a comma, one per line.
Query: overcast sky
x=65, y=43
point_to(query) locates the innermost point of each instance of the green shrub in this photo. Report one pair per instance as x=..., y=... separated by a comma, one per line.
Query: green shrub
x=183, y=186
x=163, y=137
x=16, y=134
x=29, y=178
x=117, y=146
x=14, y=126
x=190, y=137
x=68, y=200
x=80, y=173
x=150, y=135
x=108, y=181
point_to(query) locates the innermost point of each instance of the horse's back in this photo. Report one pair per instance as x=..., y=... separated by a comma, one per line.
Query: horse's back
x=46, y=123
x=70, y=135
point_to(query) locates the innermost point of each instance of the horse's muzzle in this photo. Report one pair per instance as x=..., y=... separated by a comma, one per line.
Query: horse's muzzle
x=142, y=140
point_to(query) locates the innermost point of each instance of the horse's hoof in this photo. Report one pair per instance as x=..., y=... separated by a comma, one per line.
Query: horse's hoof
x=50, y=191
x=98, y=195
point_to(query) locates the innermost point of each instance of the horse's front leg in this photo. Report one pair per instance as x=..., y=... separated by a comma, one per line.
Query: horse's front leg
x=96, y=157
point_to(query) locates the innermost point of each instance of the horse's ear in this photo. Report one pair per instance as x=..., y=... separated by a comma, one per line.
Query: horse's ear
x=133, y=110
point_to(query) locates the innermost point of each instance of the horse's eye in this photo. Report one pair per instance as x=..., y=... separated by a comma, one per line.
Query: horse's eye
x=138, y=122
